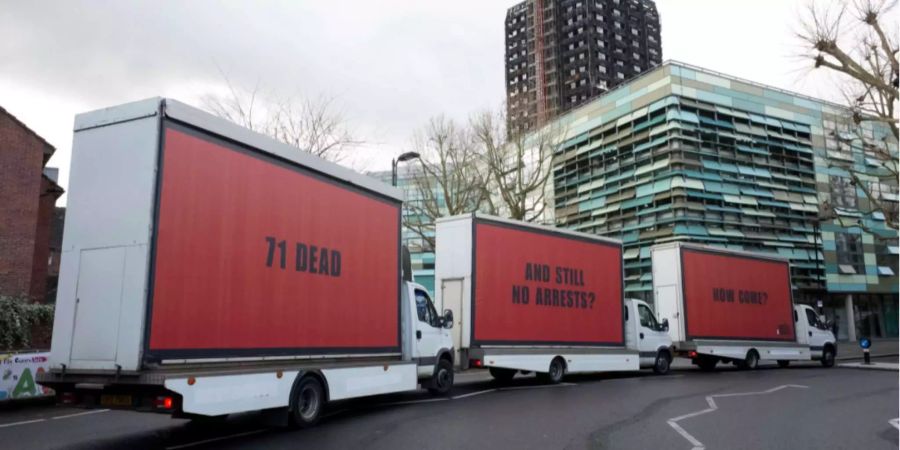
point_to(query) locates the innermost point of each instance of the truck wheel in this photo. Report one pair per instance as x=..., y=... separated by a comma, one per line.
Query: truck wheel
x=662, y=363
x=783, y=363
x=827, y=357
x=442, y=380
x=554, y=373
x=502, y=375
x=307, y=404
x=750, y=362
x=706, y=363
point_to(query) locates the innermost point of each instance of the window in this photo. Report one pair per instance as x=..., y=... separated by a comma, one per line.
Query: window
x=849, y=253
x=425, y=309
x=647, y=319
x=811, y=319
x=843, y=192
x=886, y=256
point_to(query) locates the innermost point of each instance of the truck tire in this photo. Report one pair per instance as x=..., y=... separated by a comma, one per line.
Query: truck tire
x=783, y=363
x=307, y=403
x=502, y=375
x=750, y=362
x=662, y=364
x=706, y=363
x=555, y=372
x=442, y=379
x=827, y=357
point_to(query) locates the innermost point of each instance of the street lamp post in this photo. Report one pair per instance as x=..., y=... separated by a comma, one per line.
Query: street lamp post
x=402, y=158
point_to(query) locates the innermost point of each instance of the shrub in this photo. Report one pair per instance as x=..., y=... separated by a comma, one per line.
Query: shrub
x=18, y=315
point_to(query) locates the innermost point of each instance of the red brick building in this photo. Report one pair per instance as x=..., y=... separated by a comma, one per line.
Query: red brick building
x=28, y=193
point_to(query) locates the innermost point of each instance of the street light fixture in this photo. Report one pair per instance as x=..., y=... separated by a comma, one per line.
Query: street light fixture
x=402, y=158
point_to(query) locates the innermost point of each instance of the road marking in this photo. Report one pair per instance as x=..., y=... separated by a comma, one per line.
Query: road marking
x=544, y=386
x=895, y=423
x=472, y=394
x=412, y=402
x=95, y=411
x=710, y=400
x=21, y=423
x=207, y=441
x=26, y=422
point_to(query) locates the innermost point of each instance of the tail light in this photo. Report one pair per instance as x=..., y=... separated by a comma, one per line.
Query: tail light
x=692, y=354
x=476, y=363
x=164, y=402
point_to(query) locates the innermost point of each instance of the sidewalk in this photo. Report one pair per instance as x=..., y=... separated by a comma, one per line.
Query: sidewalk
x=880, y=348
x=874, y=366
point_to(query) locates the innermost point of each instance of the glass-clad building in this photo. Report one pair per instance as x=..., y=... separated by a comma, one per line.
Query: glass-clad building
x=681, y=153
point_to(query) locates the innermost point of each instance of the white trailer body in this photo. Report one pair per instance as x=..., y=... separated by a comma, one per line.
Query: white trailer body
x=745, y=297
x=102, y=351
x=482, y=341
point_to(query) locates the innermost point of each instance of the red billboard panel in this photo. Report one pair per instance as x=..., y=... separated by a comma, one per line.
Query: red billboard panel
x=537, y=287
x=255, y=256
x=736, y=297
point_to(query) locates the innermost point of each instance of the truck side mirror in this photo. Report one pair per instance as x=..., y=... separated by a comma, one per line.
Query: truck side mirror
x=665, y=325
x=448, y=319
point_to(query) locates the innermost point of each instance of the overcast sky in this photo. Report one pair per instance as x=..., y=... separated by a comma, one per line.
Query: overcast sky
x=390, y=64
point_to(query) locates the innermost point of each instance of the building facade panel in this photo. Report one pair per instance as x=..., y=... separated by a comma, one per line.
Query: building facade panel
x=686, y=154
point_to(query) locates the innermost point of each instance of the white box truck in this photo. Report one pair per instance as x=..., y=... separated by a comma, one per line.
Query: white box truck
x=529, y=298
x=734, y=306
x=208, y=270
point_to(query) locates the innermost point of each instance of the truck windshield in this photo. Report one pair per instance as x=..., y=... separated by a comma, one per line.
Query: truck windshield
x=647, y=319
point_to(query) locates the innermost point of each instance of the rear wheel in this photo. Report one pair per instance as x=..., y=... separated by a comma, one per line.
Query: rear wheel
x=502, y=375
x=442, y=380
x=706, y=363
x=750, y=362
x=308, y=402
x=554, y=373
x=783, y=363
x=827, y=357
x=662, y=364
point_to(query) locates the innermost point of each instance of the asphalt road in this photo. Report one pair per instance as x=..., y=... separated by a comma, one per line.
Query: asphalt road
x=798, y=407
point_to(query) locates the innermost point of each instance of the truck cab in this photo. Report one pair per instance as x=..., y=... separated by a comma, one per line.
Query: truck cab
x=426, y=338
x=812, y=331
x=647, y=335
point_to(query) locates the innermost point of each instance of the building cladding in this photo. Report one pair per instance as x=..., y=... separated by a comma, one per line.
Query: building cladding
x=28, y=192
x=685, y=154
x=563, y=53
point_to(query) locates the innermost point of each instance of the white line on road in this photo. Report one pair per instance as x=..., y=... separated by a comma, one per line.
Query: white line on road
x=472, y=394
x=543, y=386
x=26, y=422
x=95, y=411
x=413, y=402
x=673, y=422
x=207, y=441
x=21, y=423
x=895, y=423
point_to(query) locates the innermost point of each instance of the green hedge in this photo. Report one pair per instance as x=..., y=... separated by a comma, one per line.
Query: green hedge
x=18, y=315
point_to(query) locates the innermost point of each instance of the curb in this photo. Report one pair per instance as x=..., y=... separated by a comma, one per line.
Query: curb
x=849, y=358
x=875, y=366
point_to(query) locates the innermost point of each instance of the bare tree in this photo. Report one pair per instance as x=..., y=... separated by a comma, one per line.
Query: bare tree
x=314, y=125
x=519, y=164
x=856, y=42
x=448, y=179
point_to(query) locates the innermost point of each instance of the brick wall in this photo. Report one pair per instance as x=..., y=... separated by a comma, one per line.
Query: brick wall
x=26, y=209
